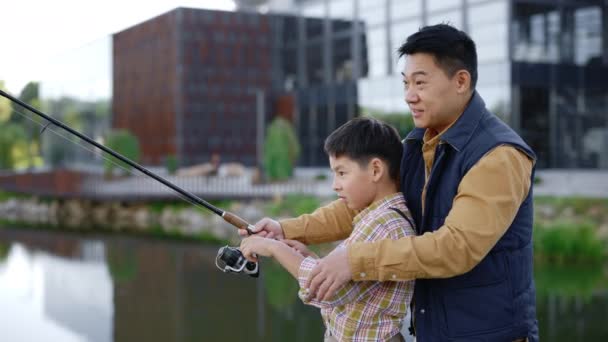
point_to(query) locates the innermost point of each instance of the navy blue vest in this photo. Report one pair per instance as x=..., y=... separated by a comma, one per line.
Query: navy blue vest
x=495, y=301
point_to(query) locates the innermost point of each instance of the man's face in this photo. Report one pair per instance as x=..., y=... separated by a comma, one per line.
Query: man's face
x=430, y=93
x=353, y=183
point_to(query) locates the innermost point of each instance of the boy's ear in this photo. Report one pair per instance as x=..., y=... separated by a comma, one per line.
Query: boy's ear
x=377, y=169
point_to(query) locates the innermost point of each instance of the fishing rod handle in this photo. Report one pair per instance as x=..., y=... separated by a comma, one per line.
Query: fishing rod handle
x=237, y=222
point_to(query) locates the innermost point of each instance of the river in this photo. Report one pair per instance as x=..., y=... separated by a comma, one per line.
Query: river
x=57, y=286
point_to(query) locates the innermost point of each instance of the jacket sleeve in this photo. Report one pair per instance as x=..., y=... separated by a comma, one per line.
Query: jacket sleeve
x=332, y=222
x=488, y=198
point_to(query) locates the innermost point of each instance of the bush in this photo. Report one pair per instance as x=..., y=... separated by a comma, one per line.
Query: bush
x=12, y=137
x=281, y=150
x=294, y=205
x=171, y=164
x=125, y=143
x=568, y=243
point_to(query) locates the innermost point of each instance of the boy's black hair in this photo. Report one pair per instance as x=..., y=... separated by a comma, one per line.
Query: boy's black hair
x=452, y=48
x=364, y=138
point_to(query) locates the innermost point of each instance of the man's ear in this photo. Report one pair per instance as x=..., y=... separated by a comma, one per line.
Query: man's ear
x=463, y=81
x=377, y=168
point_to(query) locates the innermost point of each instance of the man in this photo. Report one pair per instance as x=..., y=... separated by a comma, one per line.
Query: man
x=467, y=179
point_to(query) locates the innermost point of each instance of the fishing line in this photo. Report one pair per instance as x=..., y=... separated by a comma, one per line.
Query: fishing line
x=189, y=197
x=49, y=126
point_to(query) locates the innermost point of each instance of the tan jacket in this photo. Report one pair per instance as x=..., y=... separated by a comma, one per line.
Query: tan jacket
x=486, y=203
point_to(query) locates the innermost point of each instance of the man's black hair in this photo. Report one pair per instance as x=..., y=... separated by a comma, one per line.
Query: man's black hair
x=452, y=48
x=364, y=138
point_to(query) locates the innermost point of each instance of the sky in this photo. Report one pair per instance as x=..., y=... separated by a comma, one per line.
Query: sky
x=35, y=32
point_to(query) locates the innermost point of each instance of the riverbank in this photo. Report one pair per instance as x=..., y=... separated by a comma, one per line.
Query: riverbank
x=568, y=230
x=163, y=219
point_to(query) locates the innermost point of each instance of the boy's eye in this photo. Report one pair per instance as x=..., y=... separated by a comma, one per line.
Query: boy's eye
x=341, y=173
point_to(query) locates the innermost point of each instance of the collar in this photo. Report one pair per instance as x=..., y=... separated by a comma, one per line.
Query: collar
x=461, y=131
x=385, y=202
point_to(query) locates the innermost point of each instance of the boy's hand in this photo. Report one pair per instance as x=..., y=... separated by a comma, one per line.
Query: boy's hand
x=254, y=246
x=300, y=248
x=266, y=227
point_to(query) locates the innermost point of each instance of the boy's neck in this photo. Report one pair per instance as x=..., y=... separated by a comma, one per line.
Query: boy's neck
x=385, y=190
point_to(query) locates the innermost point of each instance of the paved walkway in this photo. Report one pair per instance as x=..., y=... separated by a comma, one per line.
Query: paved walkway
x=583, y=183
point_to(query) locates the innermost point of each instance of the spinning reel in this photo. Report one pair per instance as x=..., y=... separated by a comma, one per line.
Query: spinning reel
x=230, y=259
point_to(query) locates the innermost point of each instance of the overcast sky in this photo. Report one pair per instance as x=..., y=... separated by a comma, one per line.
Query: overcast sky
x=34, y=32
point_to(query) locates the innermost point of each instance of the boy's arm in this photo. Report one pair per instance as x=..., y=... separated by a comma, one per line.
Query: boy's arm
x=332, y=222
x=287, y=257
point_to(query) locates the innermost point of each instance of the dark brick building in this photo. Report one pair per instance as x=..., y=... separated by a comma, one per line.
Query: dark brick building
x=192, y=82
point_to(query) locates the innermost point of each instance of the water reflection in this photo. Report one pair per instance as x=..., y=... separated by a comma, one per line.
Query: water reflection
x=64, y=287
x=49, y=298
x=67, y=287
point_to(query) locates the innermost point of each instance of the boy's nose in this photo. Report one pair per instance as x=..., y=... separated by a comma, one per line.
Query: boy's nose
x=335, y=186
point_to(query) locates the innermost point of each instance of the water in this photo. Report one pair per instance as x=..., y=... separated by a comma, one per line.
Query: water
x=68, y=287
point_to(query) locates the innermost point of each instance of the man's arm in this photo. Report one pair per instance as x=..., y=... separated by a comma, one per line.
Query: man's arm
x=329, y=223
x=487, y=201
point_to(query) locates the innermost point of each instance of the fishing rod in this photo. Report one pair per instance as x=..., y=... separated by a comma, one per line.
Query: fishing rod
x=227, y=216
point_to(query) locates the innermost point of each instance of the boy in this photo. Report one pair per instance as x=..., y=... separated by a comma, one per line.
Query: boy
x=364, y=155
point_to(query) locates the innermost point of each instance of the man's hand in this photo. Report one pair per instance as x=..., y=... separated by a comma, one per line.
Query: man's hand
x=254, y=246
x=267, y=228
x=329, y=275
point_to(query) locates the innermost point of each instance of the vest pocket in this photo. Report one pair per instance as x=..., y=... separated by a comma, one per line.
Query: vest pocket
x=478, y=310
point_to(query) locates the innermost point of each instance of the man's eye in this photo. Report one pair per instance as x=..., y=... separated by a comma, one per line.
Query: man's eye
x=419, y=82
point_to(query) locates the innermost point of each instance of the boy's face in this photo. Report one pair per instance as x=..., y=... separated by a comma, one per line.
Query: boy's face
x=353, y=183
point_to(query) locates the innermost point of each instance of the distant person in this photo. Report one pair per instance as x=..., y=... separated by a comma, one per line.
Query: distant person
x=364, y=155
x=467, y=178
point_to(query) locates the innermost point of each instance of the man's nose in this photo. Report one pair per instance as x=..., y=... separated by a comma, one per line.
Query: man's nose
x=411, y=96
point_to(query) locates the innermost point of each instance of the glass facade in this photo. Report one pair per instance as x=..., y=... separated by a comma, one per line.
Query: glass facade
x=540, y=64
x=559, y=69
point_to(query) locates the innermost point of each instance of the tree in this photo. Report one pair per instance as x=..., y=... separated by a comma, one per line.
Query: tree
x=402, y=121
x=281, y=150
x=125, y=143
x=5, y=106
x=12, y=136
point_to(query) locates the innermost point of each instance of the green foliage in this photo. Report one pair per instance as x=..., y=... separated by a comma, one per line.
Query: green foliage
x=281, y=150
x=171, y=164
x=293, y=205
x=5, y=106
x=568, y=243
x=4, y=249
x=124, y=143
x=12, y=142
x=402, y=121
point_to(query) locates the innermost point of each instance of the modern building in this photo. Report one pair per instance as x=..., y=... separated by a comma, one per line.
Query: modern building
x=192, y=83
x=543, y=64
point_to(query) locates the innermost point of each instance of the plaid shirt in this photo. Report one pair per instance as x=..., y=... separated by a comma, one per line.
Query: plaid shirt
x=367, y=310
